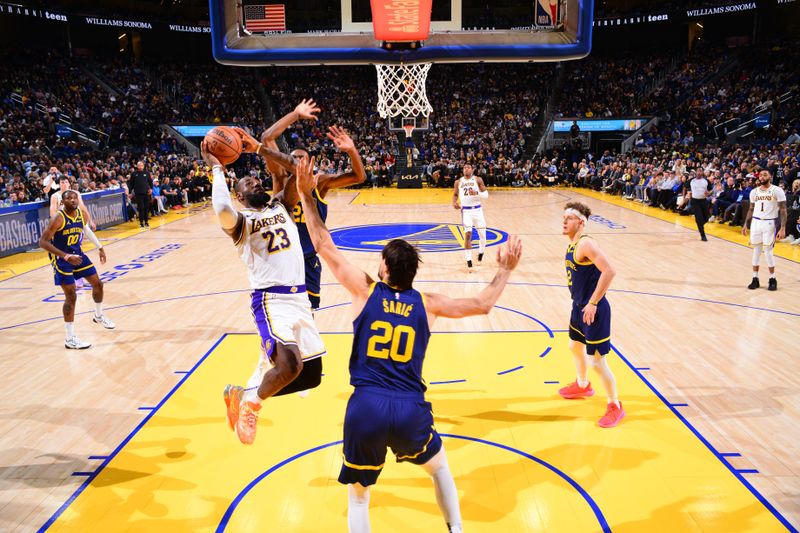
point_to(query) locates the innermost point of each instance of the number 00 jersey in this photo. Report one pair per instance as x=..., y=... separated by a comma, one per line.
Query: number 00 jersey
x=390, y=338
x=69, y=236
x=270, y=247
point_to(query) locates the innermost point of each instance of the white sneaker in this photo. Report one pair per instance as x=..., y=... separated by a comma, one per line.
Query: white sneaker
x=712, y=219
x=74, y=343
x=788, y=238
x=104, y=321
x=797, y=241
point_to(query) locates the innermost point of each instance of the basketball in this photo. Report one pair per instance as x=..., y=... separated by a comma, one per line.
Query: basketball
x=224, y=143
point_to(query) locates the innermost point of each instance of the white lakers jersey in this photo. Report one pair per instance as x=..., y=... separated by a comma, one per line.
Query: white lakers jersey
x=765, y=202
x=468, y=192
x=270, y=247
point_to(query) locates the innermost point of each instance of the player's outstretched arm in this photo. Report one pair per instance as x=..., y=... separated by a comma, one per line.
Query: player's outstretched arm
x=344, y=143
x=356, y=281
x=507, y=259
x=307, y=109
x=229, y=218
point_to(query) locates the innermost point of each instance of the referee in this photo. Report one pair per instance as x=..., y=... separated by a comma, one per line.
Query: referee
x=142, y=190
x=699, y=192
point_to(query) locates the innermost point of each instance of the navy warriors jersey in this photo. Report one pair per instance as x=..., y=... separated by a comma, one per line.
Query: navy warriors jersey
x=69, y=236
x=390, y=338
x=581, y=277
x=300, y=220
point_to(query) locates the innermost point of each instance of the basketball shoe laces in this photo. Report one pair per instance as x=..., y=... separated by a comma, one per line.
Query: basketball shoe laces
x=248, y=420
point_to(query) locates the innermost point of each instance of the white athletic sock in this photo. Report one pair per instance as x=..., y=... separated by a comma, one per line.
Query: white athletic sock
x=252, y=396
x=447, y=497
x=70, y=327
x=98, y=309
x=582, y=382
x=482, y=236
x=468, y=254
x=357, y=512
x=772, y=275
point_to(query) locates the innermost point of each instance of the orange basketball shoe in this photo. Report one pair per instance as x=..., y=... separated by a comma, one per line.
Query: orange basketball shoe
x=572, y=391
x=613, y=416
x=248, y=421
x=233, y=397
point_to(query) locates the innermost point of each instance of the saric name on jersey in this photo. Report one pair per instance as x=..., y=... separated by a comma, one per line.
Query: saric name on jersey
x=397, y=308
x=269, y=221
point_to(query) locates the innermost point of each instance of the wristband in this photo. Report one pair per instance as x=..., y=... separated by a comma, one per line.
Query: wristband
x=593, y=303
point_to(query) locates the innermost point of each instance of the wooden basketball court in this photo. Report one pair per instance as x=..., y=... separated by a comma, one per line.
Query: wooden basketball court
x=130, y=435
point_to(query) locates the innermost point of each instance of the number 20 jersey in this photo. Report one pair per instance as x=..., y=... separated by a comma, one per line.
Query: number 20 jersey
x=270, y=247
x=391, y=335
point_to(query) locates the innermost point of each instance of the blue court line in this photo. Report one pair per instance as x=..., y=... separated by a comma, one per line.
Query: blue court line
x=93, y=457
x=447, y=382
x=520, y=367
x=83, y=473
x=522, y=283
x=730, y=454
x=549, y=331
x=624, y=291
x=127, y=439
x=642, y=368
x=547, y=351
x=551, y=382
x=180, y=372
x=679, y=405
x=223, y=523
x=713, y=450
x=15, y=288
x=748, y=471
x=145, y=408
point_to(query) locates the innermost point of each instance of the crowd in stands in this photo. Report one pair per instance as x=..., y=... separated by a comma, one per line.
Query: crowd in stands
x=484, y=115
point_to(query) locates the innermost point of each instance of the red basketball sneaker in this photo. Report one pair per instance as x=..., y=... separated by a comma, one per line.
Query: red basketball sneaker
x=613, y=416
x=248, y=421
x=573, y=391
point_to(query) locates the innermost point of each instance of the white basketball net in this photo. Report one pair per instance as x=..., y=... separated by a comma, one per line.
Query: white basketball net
x=401, y=90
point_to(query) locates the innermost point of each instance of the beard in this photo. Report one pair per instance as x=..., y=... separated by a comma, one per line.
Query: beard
x=258, y=199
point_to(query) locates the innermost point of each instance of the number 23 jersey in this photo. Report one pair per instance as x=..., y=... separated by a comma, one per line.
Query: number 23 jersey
x=270, y=247
x=391, y=335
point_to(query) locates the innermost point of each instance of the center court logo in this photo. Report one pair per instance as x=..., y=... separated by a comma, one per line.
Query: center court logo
x=428, y=237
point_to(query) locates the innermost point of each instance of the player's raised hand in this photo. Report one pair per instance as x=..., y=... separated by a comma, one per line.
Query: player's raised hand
x=210, y=159
x=508, y=255
x=307, y=109
x=343, y=142
x=249, y=143
x=304, y=172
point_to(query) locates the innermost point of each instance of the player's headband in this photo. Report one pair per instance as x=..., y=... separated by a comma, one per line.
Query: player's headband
x=575, y=213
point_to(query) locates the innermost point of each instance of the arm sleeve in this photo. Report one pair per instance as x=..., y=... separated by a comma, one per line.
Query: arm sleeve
x=483, y=194
x=91, y=236
x=221, y=200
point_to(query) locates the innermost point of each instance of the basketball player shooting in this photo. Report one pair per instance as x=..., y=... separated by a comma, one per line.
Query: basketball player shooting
x=467, y=194
x=767, y=203
x=268, y=243
x=392, y=325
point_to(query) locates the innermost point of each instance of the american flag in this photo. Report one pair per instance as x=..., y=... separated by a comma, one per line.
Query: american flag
x=269, y=17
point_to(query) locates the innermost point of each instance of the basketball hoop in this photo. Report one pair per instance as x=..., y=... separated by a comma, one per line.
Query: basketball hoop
x=409, y=130
x=401, y=90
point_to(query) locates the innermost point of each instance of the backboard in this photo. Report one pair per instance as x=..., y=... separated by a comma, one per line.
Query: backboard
x=313, y=32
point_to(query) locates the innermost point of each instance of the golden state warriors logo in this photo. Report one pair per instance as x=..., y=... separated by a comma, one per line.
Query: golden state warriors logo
x=428, y=237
